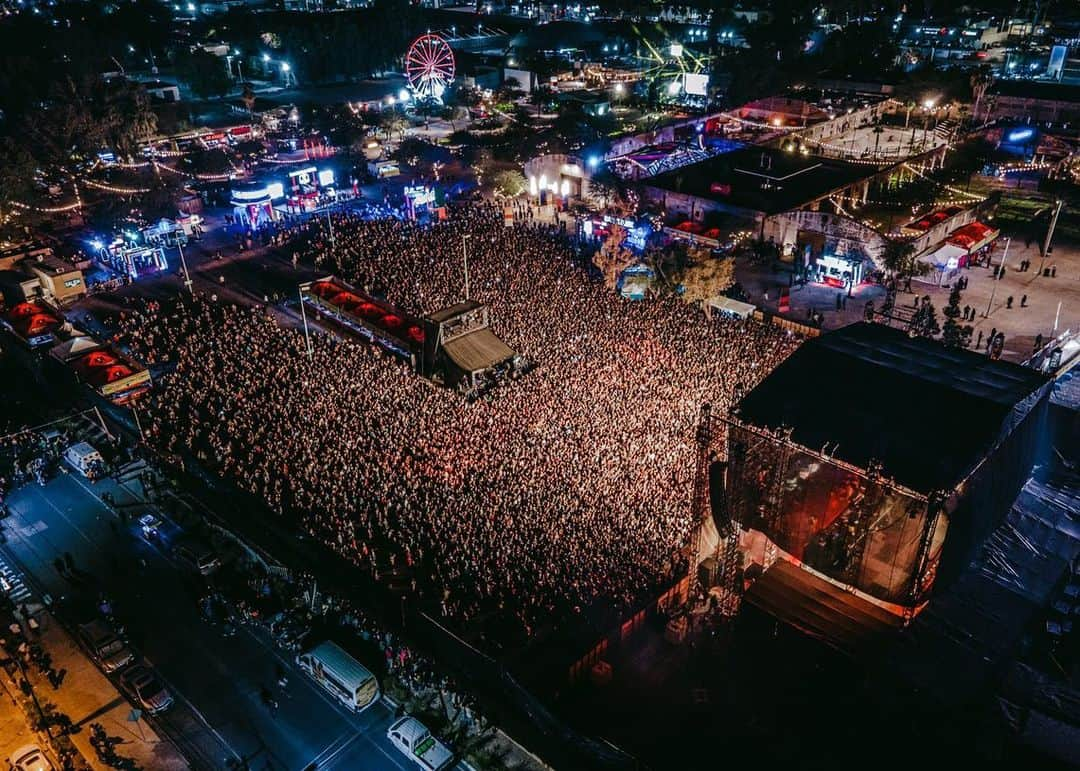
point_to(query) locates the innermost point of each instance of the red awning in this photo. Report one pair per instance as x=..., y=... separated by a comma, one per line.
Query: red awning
x=973, y=236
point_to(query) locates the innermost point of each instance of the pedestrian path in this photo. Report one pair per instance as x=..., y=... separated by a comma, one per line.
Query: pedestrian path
x=86, y=696
x=12, y=585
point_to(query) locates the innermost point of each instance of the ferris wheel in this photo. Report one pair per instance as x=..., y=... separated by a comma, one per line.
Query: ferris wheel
x=429, y=66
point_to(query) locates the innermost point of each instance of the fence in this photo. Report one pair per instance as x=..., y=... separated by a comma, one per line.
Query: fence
x=526, y=717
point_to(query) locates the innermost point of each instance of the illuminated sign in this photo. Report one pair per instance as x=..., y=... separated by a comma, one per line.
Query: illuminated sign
x=420, y=195
x=275, y=190
x=1020, y=135
x=251, y=195
x=326, y=177
x=696, y=84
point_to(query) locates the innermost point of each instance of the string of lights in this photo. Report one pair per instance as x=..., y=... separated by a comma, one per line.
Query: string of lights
x=950, y=188
x=116, y=189
x=47, y=209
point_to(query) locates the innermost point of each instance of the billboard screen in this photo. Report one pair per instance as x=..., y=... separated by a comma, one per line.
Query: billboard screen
x=696, y=84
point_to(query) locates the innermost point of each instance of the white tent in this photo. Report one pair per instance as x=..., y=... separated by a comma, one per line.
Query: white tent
x=730, y=307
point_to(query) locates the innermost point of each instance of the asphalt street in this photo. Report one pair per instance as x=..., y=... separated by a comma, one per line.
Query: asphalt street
x=217, y=679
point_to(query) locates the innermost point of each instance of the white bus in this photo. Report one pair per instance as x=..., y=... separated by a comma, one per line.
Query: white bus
x=341, y=675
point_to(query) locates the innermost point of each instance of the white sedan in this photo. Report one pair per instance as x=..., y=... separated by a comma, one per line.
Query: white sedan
x=30, y=758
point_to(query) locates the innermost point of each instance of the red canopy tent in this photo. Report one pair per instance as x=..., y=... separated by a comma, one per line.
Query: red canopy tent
x=973, y=236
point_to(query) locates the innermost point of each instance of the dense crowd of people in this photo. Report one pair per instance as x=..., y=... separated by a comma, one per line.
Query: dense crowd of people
x=570, y=485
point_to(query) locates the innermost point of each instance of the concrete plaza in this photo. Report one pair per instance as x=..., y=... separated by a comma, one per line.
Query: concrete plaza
x=1020, y=323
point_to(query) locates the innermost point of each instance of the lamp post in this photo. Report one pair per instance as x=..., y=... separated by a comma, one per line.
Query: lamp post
x=1050, y=235
x=993, y=290
x=465, y=260
x=303, y=315
x=183, y=263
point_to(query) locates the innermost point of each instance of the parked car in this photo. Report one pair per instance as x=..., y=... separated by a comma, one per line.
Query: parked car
x=105, y=645
x=197, y=556
x=414, y=740
x=149, y=692
x=30, y=758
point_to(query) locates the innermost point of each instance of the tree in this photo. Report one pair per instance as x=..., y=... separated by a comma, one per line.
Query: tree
x=393, y=122
x=508, y=183
x=604, y=187
x=510, y=88
x=83, y=116
x=209, y=162
x=205, y=74
x=248, y=98
x=613, y=258
x=453, y=113
x=981, y=80
x=706, y=277
x=17, y=169
x=924, y=322
x=898, y=258
x=130, y=118
x=952, y=333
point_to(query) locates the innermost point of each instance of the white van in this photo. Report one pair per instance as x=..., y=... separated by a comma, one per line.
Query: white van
x=85, y=459
x=341, y=675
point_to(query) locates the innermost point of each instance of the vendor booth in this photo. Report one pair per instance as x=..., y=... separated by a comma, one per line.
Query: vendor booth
x=307, y=188
x=252, y=204
x=965, y=246
x=977, y=240
x=841, y=271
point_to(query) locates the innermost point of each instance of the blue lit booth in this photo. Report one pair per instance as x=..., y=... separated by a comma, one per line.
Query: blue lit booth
x=252, y=203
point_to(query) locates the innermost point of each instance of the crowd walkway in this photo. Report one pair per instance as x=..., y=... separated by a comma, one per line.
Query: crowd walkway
x=86, y=696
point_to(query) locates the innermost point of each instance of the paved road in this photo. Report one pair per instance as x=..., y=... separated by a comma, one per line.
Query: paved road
x=219, y=713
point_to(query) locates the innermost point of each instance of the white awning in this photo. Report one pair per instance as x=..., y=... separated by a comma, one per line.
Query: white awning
x=946, y=257
x=727, y=305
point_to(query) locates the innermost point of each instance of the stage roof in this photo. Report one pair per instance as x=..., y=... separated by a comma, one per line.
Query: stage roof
x=762, y=179
x=478, y=350
x=445, y=314
x=927, y=413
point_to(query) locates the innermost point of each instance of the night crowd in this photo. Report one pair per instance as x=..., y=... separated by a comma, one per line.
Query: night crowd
x=570, y=485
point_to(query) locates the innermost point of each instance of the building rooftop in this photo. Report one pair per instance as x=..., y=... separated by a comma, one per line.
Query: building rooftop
x=927, y=413
x=762, y=179
x=1033, y=89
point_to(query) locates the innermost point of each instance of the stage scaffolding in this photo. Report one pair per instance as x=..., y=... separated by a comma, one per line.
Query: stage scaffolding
x=855, y=526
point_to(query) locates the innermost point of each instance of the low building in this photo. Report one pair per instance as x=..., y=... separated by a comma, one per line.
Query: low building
x=1032, y=102
x=753, y=183
x=18, y=287
x=162, y=91
x=61, y=281
x=557, y=176
x=593, y=103
x=12, y=256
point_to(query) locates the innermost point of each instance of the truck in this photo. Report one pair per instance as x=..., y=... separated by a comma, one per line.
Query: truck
x=415, y=741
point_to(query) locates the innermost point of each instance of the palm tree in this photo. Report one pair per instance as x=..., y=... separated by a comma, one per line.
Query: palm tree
x=248, y=98
x=897, y=258
x=981, y=80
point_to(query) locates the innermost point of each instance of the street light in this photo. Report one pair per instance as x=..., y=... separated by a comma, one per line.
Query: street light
x=993, y=290
x=465, y=259
x=187, y=276
x=303, y=314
